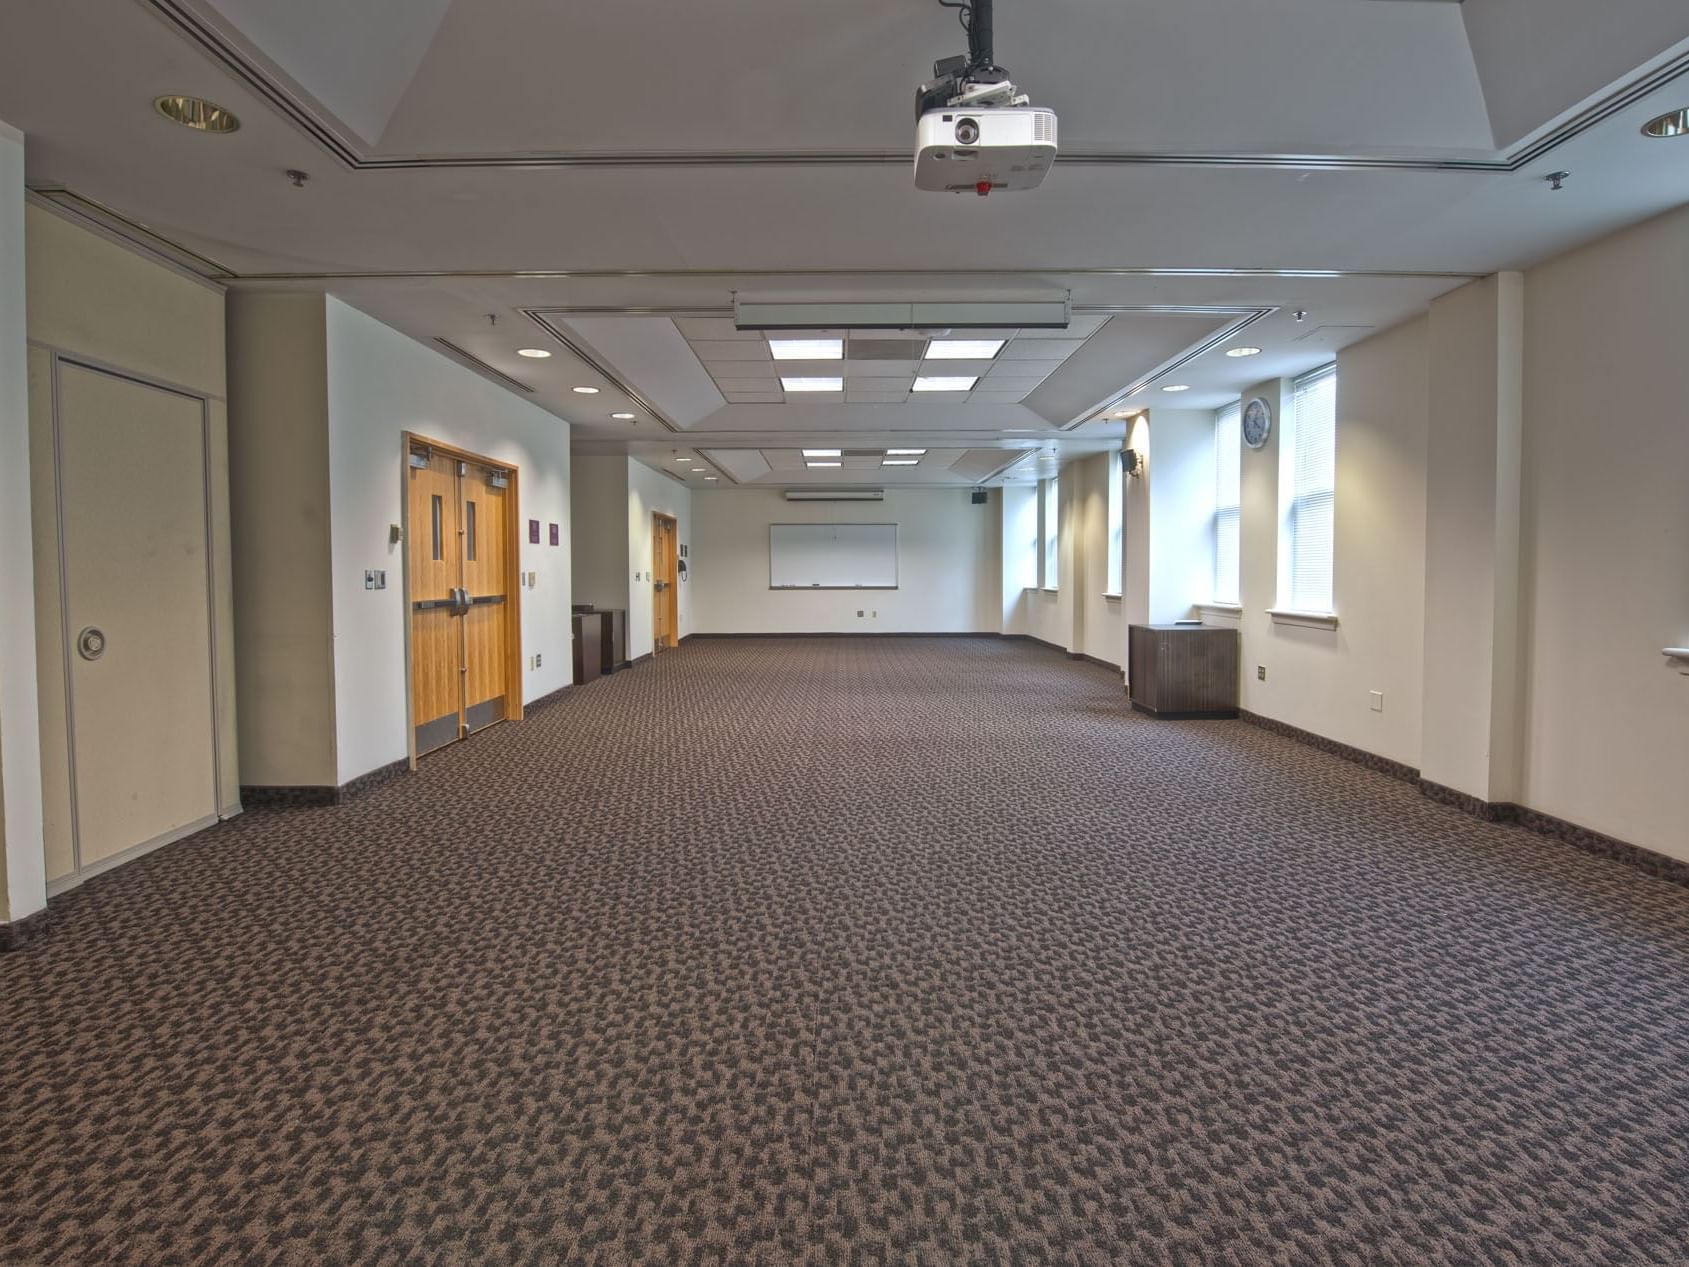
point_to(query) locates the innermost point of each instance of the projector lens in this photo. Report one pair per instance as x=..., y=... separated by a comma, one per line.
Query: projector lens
x=967, y=131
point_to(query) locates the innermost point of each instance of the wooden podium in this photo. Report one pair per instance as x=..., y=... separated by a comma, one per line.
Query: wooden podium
x=1183, y=671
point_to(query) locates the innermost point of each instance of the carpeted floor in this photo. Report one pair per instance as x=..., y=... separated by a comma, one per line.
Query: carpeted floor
x=855, y=951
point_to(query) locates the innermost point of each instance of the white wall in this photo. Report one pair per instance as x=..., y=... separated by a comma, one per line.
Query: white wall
x=1102, y=619
x=648, y=493
x=1606, y=535
x=23, y=878
x=380, y=385
x=1181, y=491
x=598, y=492
x=949, y=577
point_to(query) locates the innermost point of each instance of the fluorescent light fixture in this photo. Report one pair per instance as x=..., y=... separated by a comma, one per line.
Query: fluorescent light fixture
x=1672, y=123
x=624, y=417
x=1177, y=387
x=823, y=463
x=1243, y=351
x=538, y=354
x=807, y=349
x=585, y=391
x=813, y=384
x=941, y=383
x=906, y=453
x=821, y=453
x=901, y=462
x=683, y=458
x=964, y=349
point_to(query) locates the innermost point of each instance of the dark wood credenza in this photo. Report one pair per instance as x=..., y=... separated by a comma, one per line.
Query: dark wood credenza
x=1183, y=671
x=601, y=642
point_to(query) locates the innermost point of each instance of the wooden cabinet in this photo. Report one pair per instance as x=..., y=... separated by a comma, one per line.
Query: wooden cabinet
x=601, y=642
x=1183, y=671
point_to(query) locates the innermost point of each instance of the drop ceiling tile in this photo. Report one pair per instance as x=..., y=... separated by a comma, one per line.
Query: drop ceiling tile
x=904, y=370
x=753, y=398
x=1022, y=369
x=713, y=328
x=1020, y=386
x=1040, y=349
x=786, y=459
x=708, y=350
x=858, y=397
x=980, y=397
x=868, y=348
x=954, y=369
x=748, y=383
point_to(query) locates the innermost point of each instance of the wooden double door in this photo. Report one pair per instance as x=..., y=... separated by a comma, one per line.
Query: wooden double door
x=665, y=585
x=465, y=628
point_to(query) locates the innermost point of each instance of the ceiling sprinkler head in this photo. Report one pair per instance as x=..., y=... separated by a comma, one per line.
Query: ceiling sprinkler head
x=1301, y=314
x=298, y=177
x=1557, y=180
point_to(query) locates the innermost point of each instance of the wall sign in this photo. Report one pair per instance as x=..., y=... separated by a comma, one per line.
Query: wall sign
x=554, y=535
x=533, y=532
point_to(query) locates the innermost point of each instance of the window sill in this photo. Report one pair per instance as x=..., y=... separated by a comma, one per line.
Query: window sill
x=1220, y=609
x=1112, y=597
x=1051, y=589
x=1307, y=620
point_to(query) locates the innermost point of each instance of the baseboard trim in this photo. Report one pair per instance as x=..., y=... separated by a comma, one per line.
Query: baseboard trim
x=23, y=932
x=1360, y=756
x=1586, y=839
x=301, y=797
x=544, y=701
x=876, y=633
x=1096, y=660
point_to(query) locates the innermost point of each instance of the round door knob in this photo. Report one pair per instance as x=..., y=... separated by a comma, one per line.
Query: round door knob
x=91, y=642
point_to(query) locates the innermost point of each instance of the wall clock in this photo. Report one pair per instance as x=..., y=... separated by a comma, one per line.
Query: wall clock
x=1257, y=422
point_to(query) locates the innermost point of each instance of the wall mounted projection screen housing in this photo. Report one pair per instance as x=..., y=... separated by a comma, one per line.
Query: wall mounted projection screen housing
x=832, y=556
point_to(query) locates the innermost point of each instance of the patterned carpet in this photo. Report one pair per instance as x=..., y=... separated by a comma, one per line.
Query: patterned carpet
x=918, y=951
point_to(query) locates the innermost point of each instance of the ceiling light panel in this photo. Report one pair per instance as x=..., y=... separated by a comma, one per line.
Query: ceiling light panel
x=964, y=349
x=807, y=349
x=812, y=384
x=901, y=462
x=537, y=354
x=822, y=453
x=946, y=383
x=823, y=464
x=906, y=453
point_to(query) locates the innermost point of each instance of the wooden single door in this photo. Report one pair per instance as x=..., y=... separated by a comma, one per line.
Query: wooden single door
x=665, y=583
x=137, y=595
x=483, y=494
x=435, y=559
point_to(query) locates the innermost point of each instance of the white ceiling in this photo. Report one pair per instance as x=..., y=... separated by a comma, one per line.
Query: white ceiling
x=601, y=181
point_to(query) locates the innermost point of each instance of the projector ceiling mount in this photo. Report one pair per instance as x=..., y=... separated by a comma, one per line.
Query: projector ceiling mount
x=974, y=130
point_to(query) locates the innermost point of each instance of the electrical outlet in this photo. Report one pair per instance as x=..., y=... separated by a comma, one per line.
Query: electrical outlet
x=539, y=660
x=859, y=613
x=1260, y=673
x=1377, y=701
x=369, y=580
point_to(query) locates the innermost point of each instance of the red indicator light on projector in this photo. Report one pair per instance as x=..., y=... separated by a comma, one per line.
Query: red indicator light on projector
x=983, y=188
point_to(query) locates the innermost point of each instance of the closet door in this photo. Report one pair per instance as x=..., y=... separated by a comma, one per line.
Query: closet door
x=137, y=601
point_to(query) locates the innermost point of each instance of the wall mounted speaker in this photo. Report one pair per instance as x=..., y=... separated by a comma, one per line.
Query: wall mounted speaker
x=978, y=497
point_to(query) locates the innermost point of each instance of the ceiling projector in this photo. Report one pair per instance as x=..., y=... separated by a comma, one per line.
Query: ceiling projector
x=974, y=130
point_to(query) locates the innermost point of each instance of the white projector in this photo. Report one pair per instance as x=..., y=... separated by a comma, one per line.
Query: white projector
x=978, y=151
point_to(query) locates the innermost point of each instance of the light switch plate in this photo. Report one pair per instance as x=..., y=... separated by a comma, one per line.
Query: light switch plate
x=1377, y=701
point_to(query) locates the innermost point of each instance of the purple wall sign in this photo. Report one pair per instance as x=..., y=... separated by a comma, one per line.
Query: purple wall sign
x=533, y=532
x=554, y=536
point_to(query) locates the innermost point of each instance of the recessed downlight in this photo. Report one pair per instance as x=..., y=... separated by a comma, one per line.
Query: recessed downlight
x=538, y=354
x=624, y=417
x=584, y=391
x=1177, y=387
x=1243, y=351
x=1672, y=123
x=710, y=479
x=197, y=113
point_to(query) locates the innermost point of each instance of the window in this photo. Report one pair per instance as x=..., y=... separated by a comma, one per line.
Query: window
x=1228, y=499
x=1052, y=532
x=1022, y=534
x=1114, y=578
x=1310, y=522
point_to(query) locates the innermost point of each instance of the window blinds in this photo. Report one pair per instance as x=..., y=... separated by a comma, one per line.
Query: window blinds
x=1228, y=498
x=1052, y=532
x=1312, y=519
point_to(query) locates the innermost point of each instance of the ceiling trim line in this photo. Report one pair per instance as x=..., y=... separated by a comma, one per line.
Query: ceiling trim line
x=114, y=224
x=592, y=362
x=217, y=45
x=471, y=361
x=619, y=274
x=1099, y=412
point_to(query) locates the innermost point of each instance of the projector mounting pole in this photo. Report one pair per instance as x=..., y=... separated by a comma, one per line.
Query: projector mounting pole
x=982, y=51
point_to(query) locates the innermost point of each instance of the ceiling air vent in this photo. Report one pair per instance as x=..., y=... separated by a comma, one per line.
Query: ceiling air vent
x=887, y=349
x=476, y=363
x=835, y=494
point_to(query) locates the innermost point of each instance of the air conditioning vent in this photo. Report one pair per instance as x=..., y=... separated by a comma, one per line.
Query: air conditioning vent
x=835, y=494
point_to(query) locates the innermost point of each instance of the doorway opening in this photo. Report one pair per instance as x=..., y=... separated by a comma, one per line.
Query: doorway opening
x=462, y=592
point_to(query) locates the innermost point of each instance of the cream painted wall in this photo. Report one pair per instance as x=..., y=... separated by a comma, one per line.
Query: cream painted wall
x=599, y=540
x=1181, y=491
x=284, y=615
x=1102, y=619
x=948, y=565
x=650, y=492
x=380, y=385
x=92, y=298
x=23, y=880
x=1605, y=546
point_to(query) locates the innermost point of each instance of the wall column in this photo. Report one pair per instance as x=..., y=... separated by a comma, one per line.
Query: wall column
x=23, y=879
x=1474, y=458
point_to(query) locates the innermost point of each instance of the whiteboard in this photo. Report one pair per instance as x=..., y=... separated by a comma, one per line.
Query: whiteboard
x=832, y=556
